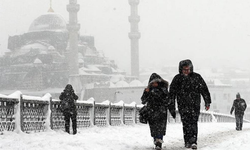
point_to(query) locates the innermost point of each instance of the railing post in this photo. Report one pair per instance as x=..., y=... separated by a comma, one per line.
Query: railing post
x=21, y=112
x=109, y=114
x=135, y=115
x=51, y=116
x=123, y=114
x=92, y=114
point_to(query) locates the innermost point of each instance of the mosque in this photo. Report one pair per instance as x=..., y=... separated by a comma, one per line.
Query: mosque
x=41, y=58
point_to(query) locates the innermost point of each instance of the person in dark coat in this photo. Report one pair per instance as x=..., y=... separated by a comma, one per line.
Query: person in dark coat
x=239, y=106
x=155, y=96
x=187, y=87
x=68, y=107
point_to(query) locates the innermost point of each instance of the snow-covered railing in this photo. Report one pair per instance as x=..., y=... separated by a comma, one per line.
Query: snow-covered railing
x=208, y=116
x=90, y=113
x=7, y=113
x=22, y=113
x=33, y=113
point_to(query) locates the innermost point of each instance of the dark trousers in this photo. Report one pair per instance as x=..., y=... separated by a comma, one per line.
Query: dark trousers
x=239, y=121
x=67, y=117
x=190, y=126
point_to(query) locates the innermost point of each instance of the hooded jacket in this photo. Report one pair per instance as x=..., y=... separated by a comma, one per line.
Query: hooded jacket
x=156, y=96
x=188, y=89
x=239, y=106
x=68, y=97
x=157, y=102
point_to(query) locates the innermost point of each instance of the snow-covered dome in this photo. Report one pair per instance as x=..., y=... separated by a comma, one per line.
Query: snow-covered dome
x=37, y=61
x=122, y=84
x=49, y=22
x=111, y=84
x=80, y=61
x=116, y=78
x=135, y=83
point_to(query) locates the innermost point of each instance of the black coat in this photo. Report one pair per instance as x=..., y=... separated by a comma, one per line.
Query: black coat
x=157, y=102
x=188, y=90
x=239, y=106
x=68, y=96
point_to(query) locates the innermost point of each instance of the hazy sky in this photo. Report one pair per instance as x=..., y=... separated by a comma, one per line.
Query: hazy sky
x=209, y=32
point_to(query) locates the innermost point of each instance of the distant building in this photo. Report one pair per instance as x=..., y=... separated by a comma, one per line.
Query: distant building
x=39, y=58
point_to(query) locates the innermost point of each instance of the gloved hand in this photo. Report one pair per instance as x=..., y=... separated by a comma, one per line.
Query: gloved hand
x=207, y=106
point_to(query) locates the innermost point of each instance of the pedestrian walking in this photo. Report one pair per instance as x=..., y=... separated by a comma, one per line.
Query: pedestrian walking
x=239, y=105
x=187, y=87
x=155, y=97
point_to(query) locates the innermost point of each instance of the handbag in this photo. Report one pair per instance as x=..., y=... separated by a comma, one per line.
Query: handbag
x=144, y=114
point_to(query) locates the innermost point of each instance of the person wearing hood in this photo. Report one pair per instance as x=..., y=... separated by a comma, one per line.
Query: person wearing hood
x=68, y=107
x=155, y=97
x=239, y=105
x=187, y=87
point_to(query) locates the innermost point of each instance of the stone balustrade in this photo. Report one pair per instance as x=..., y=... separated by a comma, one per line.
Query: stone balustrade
x=36, y=114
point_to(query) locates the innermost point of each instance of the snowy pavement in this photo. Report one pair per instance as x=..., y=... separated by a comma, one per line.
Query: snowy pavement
x=216, y=136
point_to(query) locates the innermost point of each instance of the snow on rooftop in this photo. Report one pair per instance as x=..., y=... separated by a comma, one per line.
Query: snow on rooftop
x=93, y=68
x=37, y=61
x=114, y=70
x=241, y=79
x=208, y=73
x=80, y=61
x=135, y=83
x=116, y=78
x=34, y=46
x=218, y=82
x=82, y=72
x=49, y=22
x=80, y=56
x=89, y=52
x=120, y=70
x=111, y=84
x=43, y=52
x=122, y=84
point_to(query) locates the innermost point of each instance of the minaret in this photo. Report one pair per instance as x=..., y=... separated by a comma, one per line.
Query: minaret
x=73, y=28
x=134, y=36
x=50, y=9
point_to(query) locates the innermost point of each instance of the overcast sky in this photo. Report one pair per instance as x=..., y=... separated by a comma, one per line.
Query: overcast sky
x=209, y=32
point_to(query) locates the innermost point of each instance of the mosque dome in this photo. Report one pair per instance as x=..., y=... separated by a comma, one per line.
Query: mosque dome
x=49, y=22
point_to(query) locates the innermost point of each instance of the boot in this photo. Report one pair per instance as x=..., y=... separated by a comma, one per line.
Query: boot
x=187, y=145
x=74, y=132
x=158, y=144
x=237, y=126
x=67, y=128
x=74, y=125
x=194, y=146
x=240, y=126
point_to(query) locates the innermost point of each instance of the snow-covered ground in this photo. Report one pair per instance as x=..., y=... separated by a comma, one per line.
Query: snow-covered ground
x=216, y=136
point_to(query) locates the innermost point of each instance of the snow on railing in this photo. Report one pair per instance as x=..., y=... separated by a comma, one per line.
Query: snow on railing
x=7, y=113
x=22, y=113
